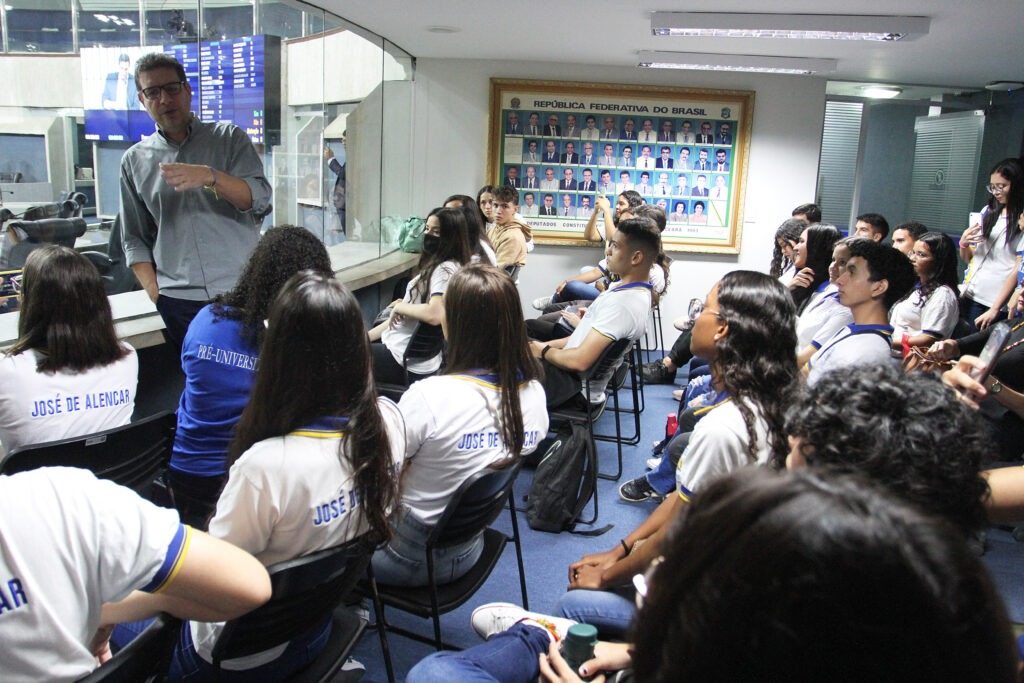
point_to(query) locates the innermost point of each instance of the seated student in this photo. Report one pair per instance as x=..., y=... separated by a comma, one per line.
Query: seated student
x=808, y=213
x=72, y=542
x=509, y=235
x=313, y=461
x=558, y=321
x=490, y=386
x=812, y=255
x=905, y=234
x=872, y=226
x=219, y=356
x=786, y=236
x=931, y=310
x=592, y=281
x=908, y=433
x=67, y=374
x=479, y=245
x=746, y=332
x=663, y=371
x=445, y=250
x=619, y=312
x=808, y=536
x=825, y=316
x=876, y=277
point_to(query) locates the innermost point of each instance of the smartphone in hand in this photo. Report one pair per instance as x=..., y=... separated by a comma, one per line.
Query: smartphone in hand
x=989, y=355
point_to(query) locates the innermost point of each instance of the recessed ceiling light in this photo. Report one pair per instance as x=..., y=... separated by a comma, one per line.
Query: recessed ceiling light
x=881, y=92
x=806, y=26
x=751, y=63
x=443, y=29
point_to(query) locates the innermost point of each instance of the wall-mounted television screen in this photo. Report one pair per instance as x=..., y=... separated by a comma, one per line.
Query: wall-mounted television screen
x=233, y=81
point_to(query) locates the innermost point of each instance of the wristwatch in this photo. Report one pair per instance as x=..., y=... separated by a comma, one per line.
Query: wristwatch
x=995, y=388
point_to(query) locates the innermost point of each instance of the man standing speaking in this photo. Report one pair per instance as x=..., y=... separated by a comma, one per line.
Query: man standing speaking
x=193, y=196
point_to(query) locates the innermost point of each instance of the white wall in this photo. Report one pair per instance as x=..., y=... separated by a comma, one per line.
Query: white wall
x=450, y=150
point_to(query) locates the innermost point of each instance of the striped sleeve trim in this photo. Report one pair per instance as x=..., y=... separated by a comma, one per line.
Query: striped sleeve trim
x=933, y=334
x=815, y=344
x=176, y=551
x=684, y=493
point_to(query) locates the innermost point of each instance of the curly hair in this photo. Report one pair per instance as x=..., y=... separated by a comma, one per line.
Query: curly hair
x=789, y=231
x=316, y=363
x=756, y=360
x=280, y=253
x=907, y=432
x=803, y=576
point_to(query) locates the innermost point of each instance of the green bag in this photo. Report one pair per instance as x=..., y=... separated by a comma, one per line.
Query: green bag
x=410, y=235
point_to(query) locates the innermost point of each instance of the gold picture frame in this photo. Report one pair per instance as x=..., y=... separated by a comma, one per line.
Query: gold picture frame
x=542, y=131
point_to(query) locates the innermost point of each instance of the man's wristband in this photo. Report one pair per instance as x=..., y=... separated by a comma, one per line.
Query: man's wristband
x=625, y=547
x=214, y=174
x=544, y=351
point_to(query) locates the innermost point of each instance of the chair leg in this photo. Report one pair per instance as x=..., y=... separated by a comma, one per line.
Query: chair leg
x=434, y=608
x=519, y=549
x=382, y=628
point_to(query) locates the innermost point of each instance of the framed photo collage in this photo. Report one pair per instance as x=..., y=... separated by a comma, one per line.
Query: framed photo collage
x=564, y=144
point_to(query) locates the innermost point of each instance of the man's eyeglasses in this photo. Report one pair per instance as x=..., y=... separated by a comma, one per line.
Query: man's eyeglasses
x=996, y=189
x=153, y=92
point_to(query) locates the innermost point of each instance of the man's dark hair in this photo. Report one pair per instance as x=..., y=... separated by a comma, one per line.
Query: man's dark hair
x=812, y=211
x=158, y=60
x=507, y=193
x=641, y=234
x=914, y=228
x=907, y=432
x=877, y=222
x=885, y=263
x=652, y=212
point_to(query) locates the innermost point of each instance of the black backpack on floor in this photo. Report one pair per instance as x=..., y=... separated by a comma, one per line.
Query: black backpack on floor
x=563, y=482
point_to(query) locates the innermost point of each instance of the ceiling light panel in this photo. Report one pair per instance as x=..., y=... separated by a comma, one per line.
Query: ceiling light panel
x=699, y=61
x=800, y=26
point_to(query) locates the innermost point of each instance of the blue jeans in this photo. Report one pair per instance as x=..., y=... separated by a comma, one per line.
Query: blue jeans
x=403, y=561
x=663, y=477
x=187, y=665
x=574, y=289
x=508, y=657
x=609, y=611
x=971, y=309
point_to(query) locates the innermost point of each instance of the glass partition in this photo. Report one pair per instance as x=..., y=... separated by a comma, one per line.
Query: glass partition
x=330, y=91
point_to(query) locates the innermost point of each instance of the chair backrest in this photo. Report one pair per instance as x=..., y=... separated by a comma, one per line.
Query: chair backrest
x=144, y=659
x=476, y=503
x=427, y=341
x=512, y=269
x=598, y=375
x=305, y=591
x=131, y=455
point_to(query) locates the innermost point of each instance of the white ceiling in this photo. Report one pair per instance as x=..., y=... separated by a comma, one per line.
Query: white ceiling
x=969, y=43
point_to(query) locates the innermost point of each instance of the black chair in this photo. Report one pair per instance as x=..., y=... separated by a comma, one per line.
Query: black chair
x=131, y=455
x=62, y=231
x=475, y=505
x=606, y=366
x=306, y=591
x=630, y=369
x=144, y=659
x=512, y=270
x=427, y=341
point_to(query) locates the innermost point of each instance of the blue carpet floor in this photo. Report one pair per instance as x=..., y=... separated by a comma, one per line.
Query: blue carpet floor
x=547, y=556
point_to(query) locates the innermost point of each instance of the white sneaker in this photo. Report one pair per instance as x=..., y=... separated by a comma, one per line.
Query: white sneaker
x=542, y=303
x=496, y=617
x=652, y=463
